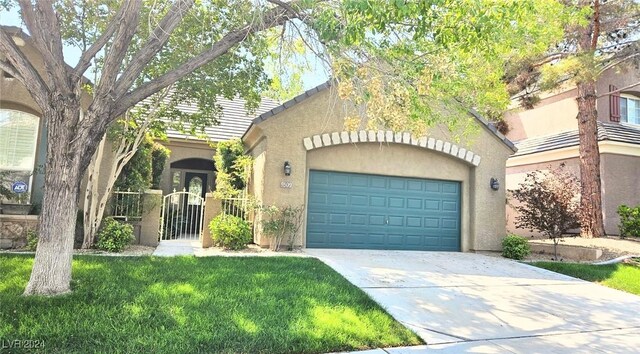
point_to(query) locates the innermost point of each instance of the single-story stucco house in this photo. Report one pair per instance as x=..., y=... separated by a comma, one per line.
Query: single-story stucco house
x=360, y=189
x=378, y=189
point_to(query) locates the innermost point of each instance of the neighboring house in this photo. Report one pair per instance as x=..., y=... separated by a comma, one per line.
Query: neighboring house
x=377, y=189
x=547, y=135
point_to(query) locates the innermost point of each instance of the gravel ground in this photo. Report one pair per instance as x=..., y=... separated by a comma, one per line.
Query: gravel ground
x=251, y=250
x=131, y=250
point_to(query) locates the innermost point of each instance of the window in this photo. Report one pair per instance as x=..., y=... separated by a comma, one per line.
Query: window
x=18, y=137
x=629, y=109
x=195, y=187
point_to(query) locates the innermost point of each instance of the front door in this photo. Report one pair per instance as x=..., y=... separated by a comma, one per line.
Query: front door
x=195, y=183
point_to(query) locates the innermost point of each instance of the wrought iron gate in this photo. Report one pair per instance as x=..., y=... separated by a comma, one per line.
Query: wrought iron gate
x=182, y=216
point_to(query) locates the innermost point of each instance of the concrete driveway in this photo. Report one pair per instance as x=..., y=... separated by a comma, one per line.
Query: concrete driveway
x=464, y=302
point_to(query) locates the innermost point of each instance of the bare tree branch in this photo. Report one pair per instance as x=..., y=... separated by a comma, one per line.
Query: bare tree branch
x=43, y=26
x=157, y=39
x=272, y=18
x=617, y=62
x=620, y=89
x=85, y=60
x=118, y=50
x=9, y=69
x=29, y=76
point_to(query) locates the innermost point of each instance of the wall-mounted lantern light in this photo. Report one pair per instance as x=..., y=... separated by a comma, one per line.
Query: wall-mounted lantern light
x=287, y=168
x=495, y=185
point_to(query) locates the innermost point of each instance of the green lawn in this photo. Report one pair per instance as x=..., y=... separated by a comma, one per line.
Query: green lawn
x=618, y=276
x=187, y=304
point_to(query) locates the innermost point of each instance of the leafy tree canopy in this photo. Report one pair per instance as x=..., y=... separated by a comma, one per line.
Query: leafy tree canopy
x=415, y=64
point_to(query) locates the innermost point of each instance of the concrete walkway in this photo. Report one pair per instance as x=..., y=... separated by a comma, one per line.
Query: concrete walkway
x=464, y=302
x=171, y=248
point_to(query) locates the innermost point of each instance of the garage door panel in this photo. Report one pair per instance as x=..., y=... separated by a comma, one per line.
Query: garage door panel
x=414, y=203
x=338, y=199
x=377, y=220
x=359, y=181
x=430, y=204
x=448, y=205
x=378, y=182
x=318, y=198
x=413, y=221
x=395, y=221
x=395, y=202
x=376, y=201
x=348, y=210
x=359, y=200
x=317, y=218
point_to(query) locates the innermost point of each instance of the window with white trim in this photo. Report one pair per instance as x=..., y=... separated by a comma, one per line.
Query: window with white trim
x=629, y=109
x=18, y=140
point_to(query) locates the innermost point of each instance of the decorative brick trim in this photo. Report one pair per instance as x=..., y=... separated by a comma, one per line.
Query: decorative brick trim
x=389, y=137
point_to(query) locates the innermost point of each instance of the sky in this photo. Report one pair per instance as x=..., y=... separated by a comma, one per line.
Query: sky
x=315, y=77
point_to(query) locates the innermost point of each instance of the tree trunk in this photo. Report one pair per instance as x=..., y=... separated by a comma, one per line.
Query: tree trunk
x=592, y=224
x=51, y=274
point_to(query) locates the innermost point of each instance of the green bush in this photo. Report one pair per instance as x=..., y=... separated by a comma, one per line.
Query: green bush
x=159, y=156
x=230, y=232
x=515, y=247
x=629, y=221
x=114, y=236
x=32, y=240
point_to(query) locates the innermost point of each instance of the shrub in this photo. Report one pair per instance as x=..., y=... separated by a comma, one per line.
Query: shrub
x=282, y=225
x=114, y=236
x=629, y=221
x=159, y=156
x=515, y=247
x=230, y=232
x=549, y=202
x=233, y=168
x=32, y=240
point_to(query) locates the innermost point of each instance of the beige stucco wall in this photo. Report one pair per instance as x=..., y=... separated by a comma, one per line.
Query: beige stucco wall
x=620, y=185
x=553, y=114
x=280, y=138
x=186, y=149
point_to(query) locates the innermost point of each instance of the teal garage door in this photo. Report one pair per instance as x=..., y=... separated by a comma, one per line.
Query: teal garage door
x=348, y=210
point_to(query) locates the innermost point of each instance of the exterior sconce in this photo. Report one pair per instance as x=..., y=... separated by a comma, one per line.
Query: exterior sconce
x=287, y=168
x=495, y=185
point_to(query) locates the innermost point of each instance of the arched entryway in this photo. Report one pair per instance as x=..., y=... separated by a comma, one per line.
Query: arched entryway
x=183, y=204
x=194, y=175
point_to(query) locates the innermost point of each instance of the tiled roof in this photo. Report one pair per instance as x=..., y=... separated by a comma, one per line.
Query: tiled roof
x=620, y=132
x=488, y=125
x=234, y=120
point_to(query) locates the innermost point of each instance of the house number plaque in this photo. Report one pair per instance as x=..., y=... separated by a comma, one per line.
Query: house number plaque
x=286, y=184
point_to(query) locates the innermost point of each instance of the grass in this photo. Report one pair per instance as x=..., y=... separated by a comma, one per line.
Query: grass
x=188, y=304
x=618, y=276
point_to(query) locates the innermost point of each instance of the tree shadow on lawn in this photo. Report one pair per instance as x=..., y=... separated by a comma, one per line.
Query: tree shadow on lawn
x=188, y=304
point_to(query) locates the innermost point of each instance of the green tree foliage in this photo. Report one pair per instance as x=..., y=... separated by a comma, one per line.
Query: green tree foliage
x=629, y=221
x=233, y=168
x=159, y=156
x=414, y=64
x=137, y=174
